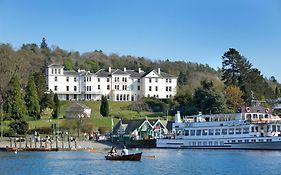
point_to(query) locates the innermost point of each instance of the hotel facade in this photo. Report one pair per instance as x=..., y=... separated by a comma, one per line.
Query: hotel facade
x=116, y=84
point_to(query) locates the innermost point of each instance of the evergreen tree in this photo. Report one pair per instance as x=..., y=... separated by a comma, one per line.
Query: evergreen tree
x=15, y=104
x=31, y=99
x=104, y=107
x=57, y=105
x=43, y=44
x=41, y=86
x=207, y=100
x=48, y=101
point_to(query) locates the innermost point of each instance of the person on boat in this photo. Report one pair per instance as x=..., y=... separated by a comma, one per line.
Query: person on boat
x=113, y=151
x=124, y=151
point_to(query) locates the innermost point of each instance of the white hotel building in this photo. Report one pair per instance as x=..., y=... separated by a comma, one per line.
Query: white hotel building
x=116, y=84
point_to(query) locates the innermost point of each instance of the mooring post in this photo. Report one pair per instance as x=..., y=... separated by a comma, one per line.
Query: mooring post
x=57, y=142
x=68, y=141
x=25, y=142
x=30, y=145
x=15, y=142
x=62, y=146
x=40, y=143
x=10, y=142
x=20, y=141
x=75, y=143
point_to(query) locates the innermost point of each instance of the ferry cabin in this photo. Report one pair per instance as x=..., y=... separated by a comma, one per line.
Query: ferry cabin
x=239, y=130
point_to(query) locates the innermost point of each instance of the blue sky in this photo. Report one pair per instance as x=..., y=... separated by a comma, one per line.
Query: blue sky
x=191, y=30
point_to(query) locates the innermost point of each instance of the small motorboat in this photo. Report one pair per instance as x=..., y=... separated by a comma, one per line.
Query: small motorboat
x=132, y=157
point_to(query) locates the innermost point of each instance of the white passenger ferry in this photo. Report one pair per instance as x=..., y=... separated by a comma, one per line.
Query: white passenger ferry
x=252, y=128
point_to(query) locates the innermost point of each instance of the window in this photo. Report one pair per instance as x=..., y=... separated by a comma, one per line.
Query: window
x=198, y=132
x=59, y=71
x=55, y=71
x=75, y=79
x=192, y=132
x=211, y=132
x=67, y=88
x=56, y=88
x=75, y=88
x=217, y=132
x=52, y=71
x=128, y=97
x=84, y=79
x=167, y=88
x=107, y=79
x=238, y=131
x=117, y=97
x=156, y=80
x=186, y=132
x=149, y=88
x=204, y=132
x=56, y=78
x=224, y=131
x=167, y=80
x=170, y=80
x=149, y=80
x=139, y=88
x=231, y=131
x=138, y=80
x=156, y=88
x=98, y=79
x=67, y=79
x=108, y=87
x=245, y=130
x=170, y=88
x=98, y=87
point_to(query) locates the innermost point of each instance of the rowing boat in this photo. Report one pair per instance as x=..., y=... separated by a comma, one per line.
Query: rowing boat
x=132, y=157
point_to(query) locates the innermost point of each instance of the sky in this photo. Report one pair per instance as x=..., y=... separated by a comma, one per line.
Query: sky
x=179, y=30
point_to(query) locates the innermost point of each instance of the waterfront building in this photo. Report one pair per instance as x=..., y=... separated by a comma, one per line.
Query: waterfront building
x=116, y=84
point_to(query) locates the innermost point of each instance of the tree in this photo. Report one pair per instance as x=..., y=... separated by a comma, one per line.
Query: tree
x=48, y=101
x=104, y=108
x=41, y=86
x=233, y=96
x=16, y=106
x=43, y=44
x=207, y=100
x=57, y=105
x=31, y=99
x=68, y=64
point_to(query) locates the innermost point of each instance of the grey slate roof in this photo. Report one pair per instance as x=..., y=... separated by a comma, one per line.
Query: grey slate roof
x=71, y=73
x=131, y=125
x=102, y=73
x=161, y=75
x=55, y=66
x=119, y=72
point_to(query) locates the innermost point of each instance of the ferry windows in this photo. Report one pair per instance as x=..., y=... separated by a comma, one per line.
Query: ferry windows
x=198, y=143
x=224, y=131
x=245, y=130
x=246, y=141
x=269, y=140
x=210, y=143
x=186, y=132
x=216, y=143
x=253, y=140
x=252, y=129
x=204, y=132
x=192, y=132
x=217, y=132
x=260, y=140
x=198, y=132
x=231, y=131
x=255, y=116
x=211, y=132
x=248, y=117
x=266, y=116
x=221, y=143
x=274, y=128
x=204, y=143
x=239, y=141
x=278, y=127
x=238, y=131
x=233, y=141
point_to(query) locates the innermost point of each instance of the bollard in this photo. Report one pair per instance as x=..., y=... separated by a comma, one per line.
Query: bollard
x=11, y=145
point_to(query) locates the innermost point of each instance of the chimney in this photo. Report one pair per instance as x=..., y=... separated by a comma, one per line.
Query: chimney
x=109, y=69
x=140, y=70
x=125, y=69
x=159, y=71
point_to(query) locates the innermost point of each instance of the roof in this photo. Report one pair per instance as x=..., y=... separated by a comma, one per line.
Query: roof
x=119, y=72
x=55, y=66
x=71, y=72
x=161, y=75
x=135, y=74
x=102, y=73
x=130, y=125
x=76, y=107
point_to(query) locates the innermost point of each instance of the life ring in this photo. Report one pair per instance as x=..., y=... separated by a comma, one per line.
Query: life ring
x=267, y=110
x=248, y=109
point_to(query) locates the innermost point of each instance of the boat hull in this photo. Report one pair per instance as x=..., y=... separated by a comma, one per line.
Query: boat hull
x=185, y=144
x=130, y=157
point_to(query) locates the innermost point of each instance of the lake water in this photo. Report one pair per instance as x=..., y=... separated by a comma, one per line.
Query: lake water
x=167, y=162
